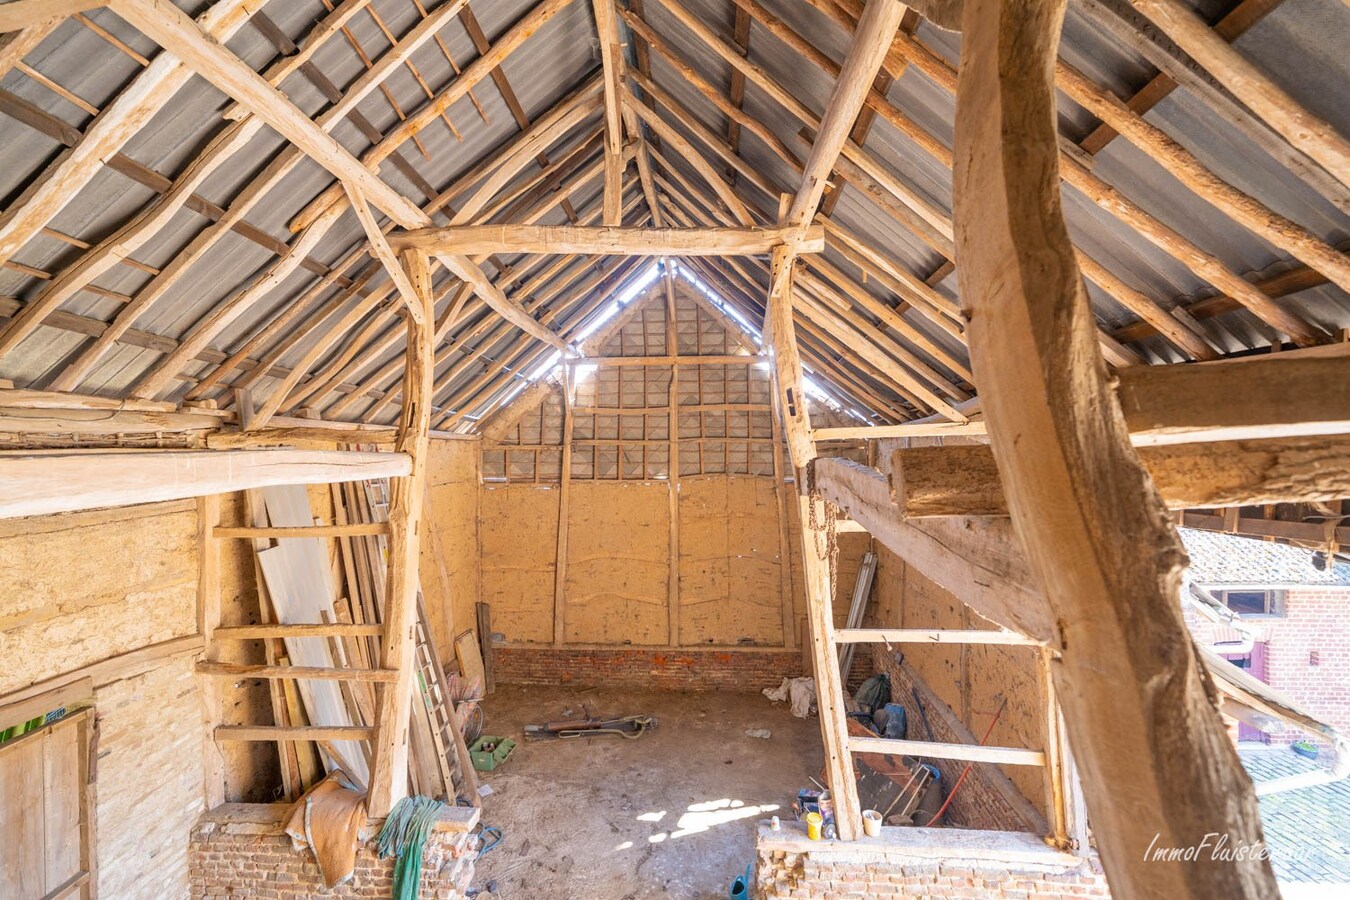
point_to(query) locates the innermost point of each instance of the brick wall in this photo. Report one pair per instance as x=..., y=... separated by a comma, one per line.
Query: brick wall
x=1307, y=652
x=919, y=862
x=988, y=799
x=663, y=669
x=254, y=859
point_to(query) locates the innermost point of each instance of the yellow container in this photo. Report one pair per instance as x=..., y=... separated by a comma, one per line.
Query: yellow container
x=813, y=823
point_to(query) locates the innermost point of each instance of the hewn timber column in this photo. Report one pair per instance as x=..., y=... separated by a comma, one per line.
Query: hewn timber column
x=208, y=620
x=1158, y=769
x=673, y=463
x=564, y=513
x=875, y=31
x=389, y=776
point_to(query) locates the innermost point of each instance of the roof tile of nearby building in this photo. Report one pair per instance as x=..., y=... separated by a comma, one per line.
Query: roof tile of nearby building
x=1231, y=560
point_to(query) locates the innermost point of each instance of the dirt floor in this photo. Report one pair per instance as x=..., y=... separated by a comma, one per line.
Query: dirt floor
x=671, y=814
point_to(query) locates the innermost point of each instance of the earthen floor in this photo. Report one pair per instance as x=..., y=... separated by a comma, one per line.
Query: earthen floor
x=671, y=814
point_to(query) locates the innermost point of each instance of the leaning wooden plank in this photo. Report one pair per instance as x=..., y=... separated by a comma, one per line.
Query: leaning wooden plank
x=610, y=240
x=48, y=194
x=1095, y=533
x=964, y=481
x=304, y=531
x=1004, y=756
x=316, y=673
x=265, y=733
x=253, y=632
x=40, y=483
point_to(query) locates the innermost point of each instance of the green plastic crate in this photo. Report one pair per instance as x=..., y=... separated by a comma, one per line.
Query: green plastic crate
x=485, y=759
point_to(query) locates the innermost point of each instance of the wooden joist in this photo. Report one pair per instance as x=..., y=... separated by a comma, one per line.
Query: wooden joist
x=1004, y=756
x=39, y=483
x=605, y=240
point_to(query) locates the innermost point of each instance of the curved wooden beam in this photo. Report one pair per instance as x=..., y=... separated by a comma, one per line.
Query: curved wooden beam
x=1158, y=768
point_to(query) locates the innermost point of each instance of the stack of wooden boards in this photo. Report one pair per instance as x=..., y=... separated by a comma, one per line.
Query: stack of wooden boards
x=341, y=582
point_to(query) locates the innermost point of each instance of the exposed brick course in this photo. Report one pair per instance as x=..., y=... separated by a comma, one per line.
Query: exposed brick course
x=658, y=668
x=872, y=871
x=227, y=861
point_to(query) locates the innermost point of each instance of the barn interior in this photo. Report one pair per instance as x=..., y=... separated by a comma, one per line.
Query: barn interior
x=658, y=448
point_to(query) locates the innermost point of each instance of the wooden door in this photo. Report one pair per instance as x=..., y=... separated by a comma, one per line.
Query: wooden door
x=45, y=812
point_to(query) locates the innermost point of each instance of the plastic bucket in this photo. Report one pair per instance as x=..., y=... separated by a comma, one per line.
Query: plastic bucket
x=813, y=823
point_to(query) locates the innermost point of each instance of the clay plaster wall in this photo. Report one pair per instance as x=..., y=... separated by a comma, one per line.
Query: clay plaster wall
x=81, y=588
x=449, y=554
x=618, y=562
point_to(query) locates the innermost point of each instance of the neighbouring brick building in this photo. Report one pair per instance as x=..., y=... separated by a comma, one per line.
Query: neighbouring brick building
x=1293, y=611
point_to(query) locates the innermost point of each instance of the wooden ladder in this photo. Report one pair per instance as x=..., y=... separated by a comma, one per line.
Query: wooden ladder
x=452, y=754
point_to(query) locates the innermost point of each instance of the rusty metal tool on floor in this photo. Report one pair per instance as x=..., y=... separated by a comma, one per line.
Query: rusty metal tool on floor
x=628, y=727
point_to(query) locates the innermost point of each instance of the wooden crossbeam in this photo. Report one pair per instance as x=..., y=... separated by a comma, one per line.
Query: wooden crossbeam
x=964, y=481
x=1288, y=395
x=1003, y=756
x=734, y=359
x=610, y=240
x=40, y=483
x=937, y=636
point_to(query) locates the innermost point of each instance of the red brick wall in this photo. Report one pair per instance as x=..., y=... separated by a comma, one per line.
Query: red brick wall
x=683, y=669
x=256, y=861
x=1307, y=652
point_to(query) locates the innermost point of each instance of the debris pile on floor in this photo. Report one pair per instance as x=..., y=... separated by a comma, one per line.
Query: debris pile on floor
x=801, y=692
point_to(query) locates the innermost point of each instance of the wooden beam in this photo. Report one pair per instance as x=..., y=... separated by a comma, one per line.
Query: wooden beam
x=939, y=636
x=17, y=14
x=1304, y=393
x=48, y=194
x=389, y=774
x=317, y=673
x=1253, y=87
x=380, y=249
x=977, y=560
x=1001, y=756
x=1128, y=676
x=40, y=483
x=733, y=359
x=257, y=632
x=302, y=733
x=351, y=529
x=164, y=23
x=603, y=240
x=611, y=60
x=964, y=481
